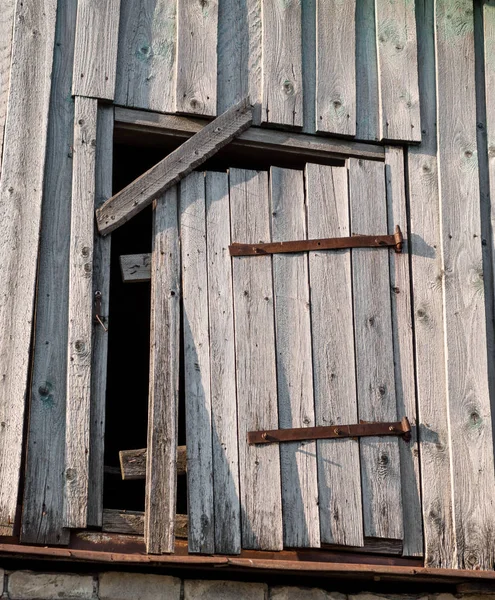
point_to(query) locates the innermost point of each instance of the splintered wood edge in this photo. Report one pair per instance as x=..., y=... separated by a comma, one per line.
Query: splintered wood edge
x=132, y=522
x=133, y=463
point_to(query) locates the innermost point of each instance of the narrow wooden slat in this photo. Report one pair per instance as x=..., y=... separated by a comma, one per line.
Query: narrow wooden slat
x=380, y=463
x=6, y=29
x=465, y=330
x=261, y=503
x=21, y=178
x=282, y=63
x=308, y=31
x=43, y=490
x=402, y=328
x=196, y=87
x=135, y=268
x=142, y=191
x=164, y=377
x=146, y=55
x=294, y=361
x=197, y=364
x=339, y=479
x=397, y=70
x=222, y=367
x=132, y=522
x=95, y=58
x=80, y=329
x=133, y=463
x=335, y=70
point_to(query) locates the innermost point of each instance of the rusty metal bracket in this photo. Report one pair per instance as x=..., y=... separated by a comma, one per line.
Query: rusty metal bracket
x=98, y=317
x=301, y=434
x=354, y=241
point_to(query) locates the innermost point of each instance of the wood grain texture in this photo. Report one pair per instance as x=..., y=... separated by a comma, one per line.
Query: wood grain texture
x=282, y=63
x=196, y=87
x=380, y=463
x=133, y=463
x=174, y=167
x=6, y=30
x=135, y=268
x=366, y=71
x=80, y=328
x=163, y=408
x=42, y=514
x=256, y=380
x=308, y=31
x=222, y=367
x=25, y=133
x=132, y=522
x=95, y=57
x=397, y=70
x=146, y=55
x=301, y=521
x=464, y=302
x=339, y=478
x=335, y=66
x=197, y=395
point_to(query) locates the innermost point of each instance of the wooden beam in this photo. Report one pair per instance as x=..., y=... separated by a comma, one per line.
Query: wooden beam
x=132, y=522
x=6, y=30
x=143, y=190
x=135, y=268
x=133, y=463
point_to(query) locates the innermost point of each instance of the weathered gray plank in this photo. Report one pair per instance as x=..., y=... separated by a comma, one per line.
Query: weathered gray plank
x=197, y=364
x=43, y=485
x=308, y=31
x=133, y=463
x=196, y=87
x=135, y=268
x=397, y=70
x=80, y=328
x=146, y=55
x=465, y=330
x=132, y=522
x=6, y=29
x=95, y=57
x=164, y=377
x=380, y=464
x=255, y=363
x=222, y=367
x=22, y=177
x=339, y=478
x=301, y=521
x=282, y=63
x=366, y=71
x=141, y=192
x=402, y=329
x=335, y=67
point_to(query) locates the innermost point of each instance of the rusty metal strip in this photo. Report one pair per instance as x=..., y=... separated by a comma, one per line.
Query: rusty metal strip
x=355, y=241
x=300, y=434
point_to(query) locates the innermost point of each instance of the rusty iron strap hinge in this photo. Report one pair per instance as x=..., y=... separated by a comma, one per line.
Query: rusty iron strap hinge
x=301, y=434
x=354, y=241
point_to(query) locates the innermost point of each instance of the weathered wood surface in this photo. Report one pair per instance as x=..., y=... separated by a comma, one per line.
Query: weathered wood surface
x=133, y=463
x=227, y=510
x=255, y=363
x=80, y=328
x=336, y=76
x=43, y=484
x=135, y=268
x=163, y=409
x=301, y=521
x=95, y=58
x=397, y=70
x=465, y=331
x=7, y=8
x=339, y=478
x=308, y=31
x=174, y=167
x=132, y=522
x=196, y=87
x=197, y=394
x=366, y=71
x=146, y=55
x=22, y=177
x=380, y=463
x=282, y=63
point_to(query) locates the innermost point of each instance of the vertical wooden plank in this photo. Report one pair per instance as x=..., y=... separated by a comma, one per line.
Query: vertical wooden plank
x=336, y=67
x=22, y=177
x=301, y=521
x=402, y=329
x=197, y=364
x=380, y=464
x=95, y=57
x=308, y=31
x=197, y=24
x=334, y=372
x=282, y=63
x=366, y=72
x=101, y=284
x=397, y=70
x=79, y=343
x=261, y=503
x=465, y=329
x=146, y=55
x=161, y=459
x=42, y=513
x=222, y=367
x=6, y=29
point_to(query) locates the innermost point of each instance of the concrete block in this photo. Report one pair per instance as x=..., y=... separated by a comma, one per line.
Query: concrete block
x=223, y=590
x=28, y=585
x=138, y=586
x=303, y=593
